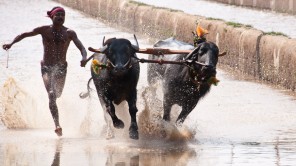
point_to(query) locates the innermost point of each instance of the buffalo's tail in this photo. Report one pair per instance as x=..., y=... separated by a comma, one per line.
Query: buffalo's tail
x=84, y=95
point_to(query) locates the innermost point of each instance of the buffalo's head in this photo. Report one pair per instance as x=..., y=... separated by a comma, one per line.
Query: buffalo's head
x=204, y=59
x=119, y=53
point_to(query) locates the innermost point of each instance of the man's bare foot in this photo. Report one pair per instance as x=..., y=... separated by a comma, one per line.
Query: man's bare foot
x=58, y=131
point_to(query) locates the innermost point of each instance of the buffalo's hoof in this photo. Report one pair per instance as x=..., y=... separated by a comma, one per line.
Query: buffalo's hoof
x=134, y=134
x=109, y=135
x=58, y=131
x=84, y=95
x=166, y=118
x=118, y=124
x=178, y=123
x=163, y=134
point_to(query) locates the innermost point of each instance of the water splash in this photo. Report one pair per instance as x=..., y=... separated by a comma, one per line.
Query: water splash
x=151, y=124
x=90, y=125
x=16, y=104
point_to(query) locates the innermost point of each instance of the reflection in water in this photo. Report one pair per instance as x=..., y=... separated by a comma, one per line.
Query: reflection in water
x=277, y=152
x=134, y=161
x=285, y=147
x=40, y=150
x=232, y=154
x=56, y=159
x=120, y=156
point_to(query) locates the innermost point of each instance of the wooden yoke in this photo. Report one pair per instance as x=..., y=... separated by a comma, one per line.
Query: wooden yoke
x=156, y=51
x=153, y=51
x=162, y=51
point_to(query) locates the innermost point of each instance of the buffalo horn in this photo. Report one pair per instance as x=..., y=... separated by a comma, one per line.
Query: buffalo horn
x=136, y=47
x=192, y=52
x=222, y=54
x=103, y=49
x=100, y=50
x=104, y=41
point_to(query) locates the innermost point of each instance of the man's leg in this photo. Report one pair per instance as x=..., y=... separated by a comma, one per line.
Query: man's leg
x=54, y=111
x=49, y=80
x=59, y=85
x=60, y=79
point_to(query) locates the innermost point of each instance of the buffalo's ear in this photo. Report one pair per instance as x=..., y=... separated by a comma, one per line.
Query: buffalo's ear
x=108, y=41
x=222, y=54
x=106, y=44
x=136, y=48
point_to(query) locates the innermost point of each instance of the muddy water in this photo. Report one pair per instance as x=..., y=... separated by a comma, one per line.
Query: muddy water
x=266, y=21
x=238, y=123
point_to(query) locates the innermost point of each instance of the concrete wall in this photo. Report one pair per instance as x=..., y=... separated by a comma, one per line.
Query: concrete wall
x=250, y=51
x=285, y=6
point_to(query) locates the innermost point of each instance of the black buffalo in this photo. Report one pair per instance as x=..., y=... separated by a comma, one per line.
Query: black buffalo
x=185, y=84
x=118, y=81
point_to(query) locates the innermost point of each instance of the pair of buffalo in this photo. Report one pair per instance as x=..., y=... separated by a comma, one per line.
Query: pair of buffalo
x=182, y=84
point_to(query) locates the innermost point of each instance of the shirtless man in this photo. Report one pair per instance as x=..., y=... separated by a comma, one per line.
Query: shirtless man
x=56, y=39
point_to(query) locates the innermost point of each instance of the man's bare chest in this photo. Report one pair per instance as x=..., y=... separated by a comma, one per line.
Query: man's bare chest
x=56, y=37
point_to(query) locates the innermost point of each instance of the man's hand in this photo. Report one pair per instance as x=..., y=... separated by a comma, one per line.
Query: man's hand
x=6, y=46
x=83, y=62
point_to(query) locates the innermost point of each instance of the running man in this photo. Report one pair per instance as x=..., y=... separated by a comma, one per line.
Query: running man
x=56, y=39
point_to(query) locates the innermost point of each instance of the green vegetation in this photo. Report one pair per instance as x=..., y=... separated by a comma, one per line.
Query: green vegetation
x=211, y=18
x=155, y=7
x=238, y=25
x=234, y=24
x=139, y=3
x=275, y=33
x=171, y=10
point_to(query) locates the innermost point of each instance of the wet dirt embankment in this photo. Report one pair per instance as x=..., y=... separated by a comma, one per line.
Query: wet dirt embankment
x=252, y=52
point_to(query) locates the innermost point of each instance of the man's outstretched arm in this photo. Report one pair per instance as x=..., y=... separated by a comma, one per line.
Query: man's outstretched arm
x=20, y=37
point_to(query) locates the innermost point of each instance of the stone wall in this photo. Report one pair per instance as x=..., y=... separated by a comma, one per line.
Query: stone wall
x=250, y=51
x=285, y=6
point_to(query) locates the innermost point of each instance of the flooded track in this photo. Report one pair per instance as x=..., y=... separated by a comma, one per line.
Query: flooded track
x=237, y=123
